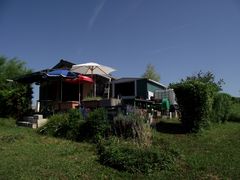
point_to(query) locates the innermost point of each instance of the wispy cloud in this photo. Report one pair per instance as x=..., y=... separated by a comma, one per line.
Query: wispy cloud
x=96, y=12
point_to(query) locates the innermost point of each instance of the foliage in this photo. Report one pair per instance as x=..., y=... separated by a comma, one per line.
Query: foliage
x=97, y=125
x=221, y=107
x=132, y=126
x=125, y=156
x=55, y=124
x=195, y=101
x=235, y=112
x=15, y=98
x=151, y=73
x=208, y=78
x=65, y=125
x=72, y=125
x=200, y=101
x=92, y=98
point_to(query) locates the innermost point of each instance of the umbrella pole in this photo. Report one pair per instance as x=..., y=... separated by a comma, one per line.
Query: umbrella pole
x=109, y=88
x=94, y=83
x=95, y=89
x=79, y=94
x=61, y=90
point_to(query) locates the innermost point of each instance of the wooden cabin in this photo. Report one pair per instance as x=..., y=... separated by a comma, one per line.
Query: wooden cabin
x=56, y=94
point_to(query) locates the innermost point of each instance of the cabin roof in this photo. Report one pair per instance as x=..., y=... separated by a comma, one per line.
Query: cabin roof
x=64, y=64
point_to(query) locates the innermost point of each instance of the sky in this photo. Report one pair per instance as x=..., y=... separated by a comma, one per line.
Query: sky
x=178, y=37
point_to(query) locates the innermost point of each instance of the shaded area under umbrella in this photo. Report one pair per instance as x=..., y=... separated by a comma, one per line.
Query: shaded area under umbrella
x=62, y=74
x=80, y=80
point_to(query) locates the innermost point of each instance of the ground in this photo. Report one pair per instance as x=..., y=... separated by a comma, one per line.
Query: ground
x=213, y=154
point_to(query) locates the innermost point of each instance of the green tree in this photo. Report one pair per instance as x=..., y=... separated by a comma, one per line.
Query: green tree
x=207, y=77
x=200, y=101
x=15, y=98
x=151, y=73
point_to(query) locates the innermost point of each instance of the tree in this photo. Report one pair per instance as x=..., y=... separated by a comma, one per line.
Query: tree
x=200, y=102
x=151, y=73
x=15, y=98
x=207, y=77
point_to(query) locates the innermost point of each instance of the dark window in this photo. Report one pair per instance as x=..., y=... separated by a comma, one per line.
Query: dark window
x=125, y=89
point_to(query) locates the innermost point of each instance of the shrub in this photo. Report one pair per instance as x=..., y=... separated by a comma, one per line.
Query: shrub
x=97, y=124
x=71, y=125
x=54, y=124
x=234, y=115
x=195, y=101
x=132, y=126
x=65, y=125
x=221, y=107
x=75, y=122
x=15, y=98
x=125, y=156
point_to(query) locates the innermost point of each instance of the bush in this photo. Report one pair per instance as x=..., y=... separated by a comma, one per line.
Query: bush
x=76, y=121
x=132, y=126
x=97, y=125
x=65, y=125
x=54, y=124
x=221, y=107
x=71, y=125
x=195, y=101
x=15, y=98
x=125, y=156
x=234, y=115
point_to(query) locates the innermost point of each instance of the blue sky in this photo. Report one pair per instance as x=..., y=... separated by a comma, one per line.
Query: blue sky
x=179, y=37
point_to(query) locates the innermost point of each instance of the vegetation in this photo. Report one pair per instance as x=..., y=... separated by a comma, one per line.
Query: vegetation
x=126, y=156
x=126, y=146
x=221, y=107
x=73, y=126
x=65, y=125
x=117, y=154
x=92, y=98
x=213, y=154
x=234, y=115
x=97, y=124
x=132, y=127
x=151, y=73
x=200, y=101
x=15, y=98
x=195, y=102
x=208, y=78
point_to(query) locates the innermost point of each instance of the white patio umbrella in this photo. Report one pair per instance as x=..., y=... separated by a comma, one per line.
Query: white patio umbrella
x=92, y=68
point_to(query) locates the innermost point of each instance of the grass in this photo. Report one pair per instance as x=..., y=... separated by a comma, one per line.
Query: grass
x=27, y=155
x=214, y=154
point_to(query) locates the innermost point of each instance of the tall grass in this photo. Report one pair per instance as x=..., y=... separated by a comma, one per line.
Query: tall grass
x=132, y=126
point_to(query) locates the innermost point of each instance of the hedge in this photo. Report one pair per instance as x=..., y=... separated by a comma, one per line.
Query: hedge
x=195, y=101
